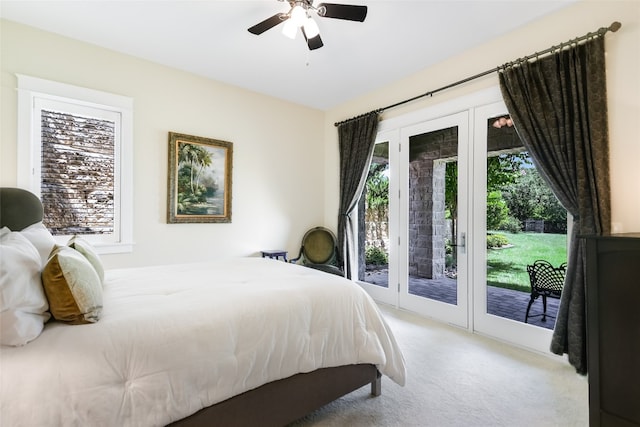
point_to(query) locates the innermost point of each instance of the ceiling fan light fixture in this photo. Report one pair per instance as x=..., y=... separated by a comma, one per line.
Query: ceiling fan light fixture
x=298, y=15
x=311, y=28
x=290, y=29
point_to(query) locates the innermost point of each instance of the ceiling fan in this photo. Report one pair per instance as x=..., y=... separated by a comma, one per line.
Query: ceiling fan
x=299, y=16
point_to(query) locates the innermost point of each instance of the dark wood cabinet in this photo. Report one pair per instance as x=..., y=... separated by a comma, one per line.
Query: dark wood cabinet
x=613, y=329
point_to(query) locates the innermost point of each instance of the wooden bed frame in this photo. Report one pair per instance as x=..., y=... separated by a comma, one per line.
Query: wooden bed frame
x=273, y=404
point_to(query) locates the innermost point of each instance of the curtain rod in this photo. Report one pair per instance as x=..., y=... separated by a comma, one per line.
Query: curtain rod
x=615, y=26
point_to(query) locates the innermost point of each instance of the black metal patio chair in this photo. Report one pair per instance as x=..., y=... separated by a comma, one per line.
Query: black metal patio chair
x=546, y=281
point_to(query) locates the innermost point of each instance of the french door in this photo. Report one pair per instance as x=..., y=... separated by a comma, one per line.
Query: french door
x=428, y=216
x=513, y=330
x=436, y=164
x=433, y=218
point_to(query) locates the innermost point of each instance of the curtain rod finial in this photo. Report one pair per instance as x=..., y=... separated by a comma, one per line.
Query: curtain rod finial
x=615, y=26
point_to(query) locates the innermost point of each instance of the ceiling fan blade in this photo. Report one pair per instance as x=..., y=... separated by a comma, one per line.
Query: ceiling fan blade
x=268, y=23
x=342, y=11
x=315, y=42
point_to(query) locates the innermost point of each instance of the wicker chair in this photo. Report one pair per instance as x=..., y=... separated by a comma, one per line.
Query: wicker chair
x=319, y=250
x=546, y=281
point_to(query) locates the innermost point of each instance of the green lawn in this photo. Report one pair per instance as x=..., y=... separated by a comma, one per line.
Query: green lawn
x=507, y=267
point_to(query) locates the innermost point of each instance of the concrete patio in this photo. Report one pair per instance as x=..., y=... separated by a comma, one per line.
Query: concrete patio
x=501, y=302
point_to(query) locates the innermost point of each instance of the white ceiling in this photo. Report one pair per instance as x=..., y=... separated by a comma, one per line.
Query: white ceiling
x=210, y=38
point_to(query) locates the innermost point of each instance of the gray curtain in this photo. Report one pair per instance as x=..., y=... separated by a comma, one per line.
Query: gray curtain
x=559, y=107
x=356, y=142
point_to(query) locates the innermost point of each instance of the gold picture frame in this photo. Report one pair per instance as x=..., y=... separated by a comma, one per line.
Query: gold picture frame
x=199, y=179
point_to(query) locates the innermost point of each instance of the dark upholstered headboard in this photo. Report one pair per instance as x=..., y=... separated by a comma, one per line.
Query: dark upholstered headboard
x=19, y=208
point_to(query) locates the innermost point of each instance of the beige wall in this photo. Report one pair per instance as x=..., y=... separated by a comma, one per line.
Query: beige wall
x=278, y=173
x=281, y=186
x=623, y=89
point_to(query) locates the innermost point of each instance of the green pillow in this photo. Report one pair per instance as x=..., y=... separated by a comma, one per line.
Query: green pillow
x=89, y=252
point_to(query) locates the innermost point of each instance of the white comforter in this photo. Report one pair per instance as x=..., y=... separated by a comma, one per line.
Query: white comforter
x=175, y=339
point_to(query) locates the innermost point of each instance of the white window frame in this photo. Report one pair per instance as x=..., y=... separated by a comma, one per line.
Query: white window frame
x=35, y=94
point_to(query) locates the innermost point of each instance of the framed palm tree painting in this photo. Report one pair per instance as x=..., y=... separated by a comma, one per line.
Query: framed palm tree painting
x=199, y=179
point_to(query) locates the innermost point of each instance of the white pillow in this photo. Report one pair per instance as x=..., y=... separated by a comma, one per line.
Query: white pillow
x=23, y=305
x=41, y=238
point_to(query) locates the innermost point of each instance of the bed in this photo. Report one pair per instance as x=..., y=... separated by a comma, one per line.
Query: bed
x=240, y=341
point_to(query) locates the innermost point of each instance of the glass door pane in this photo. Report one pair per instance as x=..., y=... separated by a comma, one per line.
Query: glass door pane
x=375, y=213
x=433, y=190
x=511, y=197
x=377, y=231
x=525, y=223
x=434, y=159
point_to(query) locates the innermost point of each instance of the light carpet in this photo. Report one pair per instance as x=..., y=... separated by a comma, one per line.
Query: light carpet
x=455, y=378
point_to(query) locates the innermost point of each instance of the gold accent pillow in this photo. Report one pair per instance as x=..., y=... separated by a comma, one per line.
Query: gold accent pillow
x=72, y=286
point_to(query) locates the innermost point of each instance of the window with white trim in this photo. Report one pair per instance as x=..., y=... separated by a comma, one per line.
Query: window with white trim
x=75, y=153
